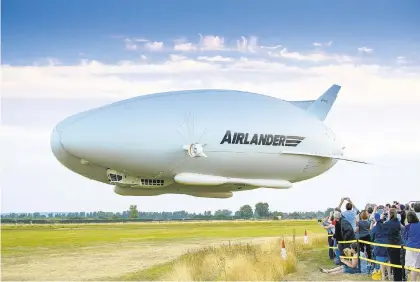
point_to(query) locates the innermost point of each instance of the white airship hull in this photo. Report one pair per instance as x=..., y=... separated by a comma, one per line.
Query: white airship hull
x=204, y=143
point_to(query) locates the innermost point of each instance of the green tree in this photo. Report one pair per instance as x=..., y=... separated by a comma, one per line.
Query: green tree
x=134, y=213
x=327, y=212
x=262, y=209
x=207, y=213
x=222, y=213
x=246, y=211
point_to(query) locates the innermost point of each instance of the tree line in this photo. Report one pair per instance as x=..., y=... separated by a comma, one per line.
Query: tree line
x=261, y=210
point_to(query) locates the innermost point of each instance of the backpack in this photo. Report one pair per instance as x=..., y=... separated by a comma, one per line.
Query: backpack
x=347, y=232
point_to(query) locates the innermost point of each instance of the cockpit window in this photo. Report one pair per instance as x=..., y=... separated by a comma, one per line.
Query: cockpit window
x=114, y=177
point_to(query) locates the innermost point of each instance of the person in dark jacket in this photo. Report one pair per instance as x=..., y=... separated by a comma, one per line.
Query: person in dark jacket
x=380, y=235
x=412, y=240
x=343, y=232
x=403, y=214
x=393, y=225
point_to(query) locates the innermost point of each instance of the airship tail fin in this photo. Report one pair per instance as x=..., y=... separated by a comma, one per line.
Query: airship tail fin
x=322, y=106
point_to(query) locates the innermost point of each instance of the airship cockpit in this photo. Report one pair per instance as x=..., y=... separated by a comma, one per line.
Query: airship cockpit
x=116, y=177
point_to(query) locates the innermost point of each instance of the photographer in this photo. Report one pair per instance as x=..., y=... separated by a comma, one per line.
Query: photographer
x=350, y=213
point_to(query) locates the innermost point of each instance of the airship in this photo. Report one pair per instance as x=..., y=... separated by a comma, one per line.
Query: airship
x=203, y=143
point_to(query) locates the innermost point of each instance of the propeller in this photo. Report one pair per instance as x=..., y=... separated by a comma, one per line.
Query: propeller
x=192, y=140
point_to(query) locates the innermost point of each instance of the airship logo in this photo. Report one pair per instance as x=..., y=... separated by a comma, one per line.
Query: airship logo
x=261, y=139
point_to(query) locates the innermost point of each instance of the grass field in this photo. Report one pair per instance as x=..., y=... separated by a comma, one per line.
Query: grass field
x=17, y=240
x=126, y=251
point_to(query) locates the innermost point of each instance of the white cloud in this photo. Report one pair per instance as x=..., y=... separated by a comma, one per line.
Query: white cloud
x=129, y=45
x=177, y=58
x=401, y=60
x=326, y=44
x=185, y=47
x=140, y=40
x=365, y=50
x=215, y=59
x=211, y=42
x=311, y=57
x=49, y=61
x=361, y=84
x=271, y=47
x=247, y=45
x=154, y=46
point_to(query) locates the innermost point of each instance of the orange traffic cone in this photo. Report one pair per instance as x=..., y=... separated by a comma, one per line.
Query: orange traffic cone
x=283, y=250
x=305, y=238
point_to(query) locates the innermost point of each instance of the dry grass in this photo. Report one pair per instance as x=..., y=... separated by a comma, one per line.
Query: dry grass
x=239, y=262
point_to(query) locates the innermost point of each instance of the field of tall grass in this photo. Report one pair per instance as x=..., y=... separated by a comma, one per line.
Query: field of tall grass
x=241, y=261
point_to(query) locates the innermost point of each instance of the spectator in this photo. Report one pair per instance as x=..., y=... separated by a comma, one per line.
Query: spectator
x=376, y=209
x=343, y=232
x=393, y=227
x=327, y=224
x=335, y=244
x=363, y=228
x=403, y=214
x=350, y=213
x=416, y=208
x=349, y=266
x=379, y=235
x=370, y=211
x=412, y=238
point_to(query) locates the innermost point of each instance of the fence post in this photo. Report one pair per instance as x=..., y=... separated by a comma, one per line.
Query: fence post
x=294, y=236
x=402, y=260
x=358, y=256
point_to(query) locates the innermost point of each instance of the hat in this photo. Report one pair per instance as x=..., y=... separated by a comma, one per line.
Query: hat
x=377, y=217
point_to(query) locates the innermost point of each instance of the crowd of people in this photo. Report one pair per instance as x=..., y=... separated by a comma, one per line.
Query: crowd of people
x=395, y=224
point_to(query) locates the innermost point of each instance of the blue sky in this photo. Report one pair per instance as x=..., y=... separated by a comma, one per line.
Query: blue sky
x=69, y=30
x=63, y=57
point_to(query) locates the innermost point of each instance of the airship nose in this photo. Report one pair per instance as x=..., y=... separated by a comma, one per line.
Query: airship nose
x=55, y=143
x=75, y=135
x=69, y=143
x=87, y=136
x=69, y=135
x=57, y=148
